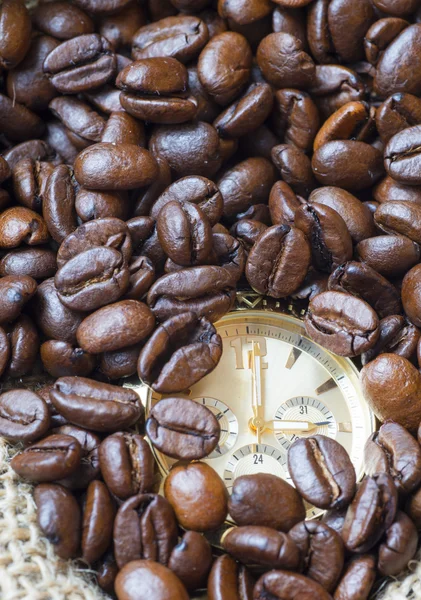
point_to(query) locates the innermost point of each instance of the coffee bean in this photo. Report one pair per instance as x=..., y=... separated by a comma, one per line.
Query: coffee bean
x=322, y=472
x=295, y=168
x=127, y=464
x=83, y=124
x=352, y=121
x=389, y=190
x=58, y=517
x=62, y=20
x=145, y=527
x=19, y=225
x=15, y=33
x=282, y=585
x=198, y=496
x=390, y=255
x=120, y=363
x=15, y=292
x=142, y=276
x=262, y=546
x=30, y=179
x=61, y=359
x=284, y=63
x=401, y=156
x=24, y=416
x=191, y=560
x=97, y=522
x=397, y=335
x=182, y=429
x=295, y=118
x=399, y=546
x=357, y=578
x=229, y=580
x=179, y=353
x=24, y=347
x=52, y=458
x=398, y=112
x=247, y=113
x=140, y=578
x=106, y=572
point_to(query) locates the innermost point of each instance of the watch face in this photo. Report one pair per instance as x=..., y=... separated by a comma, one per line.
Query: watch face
x=272, y=386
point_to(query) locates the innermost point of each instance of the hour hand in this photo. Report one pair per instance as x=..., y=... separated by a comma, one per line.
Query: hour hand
x=304, y=426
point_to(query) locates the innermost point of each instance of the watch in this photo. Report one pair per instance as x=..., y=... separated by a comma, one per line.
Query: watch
x=273, y=385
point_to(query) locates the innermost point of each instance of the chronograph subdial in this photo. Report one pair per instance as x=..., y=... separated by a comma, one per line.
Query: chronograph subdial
x=309, y=410
x=227, y=421
x=255, y=458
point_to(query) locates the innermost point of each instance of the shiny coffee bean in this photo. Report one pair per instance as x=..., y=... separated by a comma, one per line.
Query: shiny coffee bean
x=397, y=335
x=283, y=204
x=97, y=522
x=58, y=206
x=284, y=585
x=182, y=428
x=4, y=350
x=91, y=205
x=61, y=359
x=247, y=113
x=357, y=578
x=399, y=546
x=15, y=33
x=19, y=225
x=141, y=578
x=295, y=168
x=388, y=190
x=24, y=416
x=142, y=276
x=62, y=20
x=284, y=63
x=122, y=128
x=30, y=182
x=15, y=292
x=127, y=464
x=397, y=113
x=89, y=464
x=390, y=255
x=24, y=347
x=191, y=560
x=352, y=121
x=119, y=363
x=401, y=156
x=229, y=580
x=295, y=118
x=410, y=295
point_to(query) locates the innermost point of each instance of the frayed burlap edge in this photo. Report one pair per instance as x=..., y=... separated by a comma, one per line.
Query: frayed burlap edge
x=29, y=567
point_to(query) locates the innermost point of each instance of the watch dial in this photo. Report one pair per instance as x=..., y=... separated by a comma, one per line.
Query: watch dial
x=272, y=386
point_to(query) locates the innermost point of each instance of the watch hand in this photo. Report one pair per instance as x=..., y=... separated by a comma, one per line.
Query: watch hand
x=279, y=425
x=256, y=396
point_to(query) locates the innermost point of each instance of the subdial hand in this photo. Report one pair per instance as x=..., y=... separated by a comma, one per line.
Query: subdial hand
x=292, y=426
x=257, y=422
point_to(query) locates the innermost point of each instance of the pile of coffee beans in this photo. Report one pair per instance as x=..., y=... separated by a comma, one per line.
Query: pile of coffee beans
x=157, y=156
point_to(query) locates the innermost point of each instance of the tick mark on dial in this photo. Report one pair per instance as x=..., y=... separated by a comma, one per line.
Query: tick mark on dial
x=345, y=427
x=294, y=355
x=328, y=385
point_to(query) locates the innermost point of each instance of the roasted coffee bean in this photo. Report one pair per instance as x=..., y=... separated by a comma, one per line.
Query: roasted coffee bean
x=106, y=571
x=145, y=527
x=390, y=255
x=335, y=85
x=390, y=190
x=122, y=128
x=181, y=351
x=52, y=458
x=397, y=113
x=30, y=179
x=154, y=90
x=119, y=363
x=58, y=206
x=342, y=323
x=399, y=546
x=127, y=464
x=371, y=513
x=401, y=157
x=191, y=560
x=247, y=231
x=247, y=113
x=359, y=279
x=283, y=204
x=322, y=552
x=182, y=428
x=62, y=20
x=393, y=450
x=347, y=164
x=94, y=405
x=20, y=225
x=58, y=517
x=35, y=149
x=24, y=347
x=149, y=195
x=263, y=546
x=265, y=500
x=357, y=578
x=140, y=578
x=286, y=19
x=322, y=472
x=353, y=121
x=283, y=585
x=335, y=519
x=207, y=291
x=110, y=232
x=189, y=148
x=295, y=168
x=115, y=326
x=229, y=254
x=229, y=580
x=15, y=292
x=5, y=170
x=24, y=416
x=97, y=522
x=181, y=37
x=284, y=63
x=198, y=496
x=410, y=301
x=108, y=166
x=61, y=359
x=91, y=279
x=314, y=283
x=330, y=240
x=4, y=350
x=396, y=335
x=278, y=262
x=91, y=205
x=120, y=27
x=295, y=118
x=55, y=320
x=82, y=63
x=15, y=33
x=356, y=216
x=413, y=508
x=83, y=124
x=142, y=276
x=397, y=69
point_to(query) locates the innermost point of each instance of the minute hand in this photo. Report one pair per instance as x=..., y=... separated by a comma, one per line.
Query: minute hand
x=279, y=425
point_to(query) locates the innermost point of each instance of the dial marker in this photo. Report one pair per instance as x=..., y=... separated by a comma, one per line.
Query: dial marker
x=328, y=385
x=345, y=427
x=294, y=355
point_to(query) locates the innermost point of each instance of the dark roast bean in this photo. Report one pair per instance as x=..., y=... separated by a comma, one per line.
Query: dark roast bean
x=58, y=517
x=5, y=170
x=52, y=458
x=413, y=508
x=106, y=572
x=191, y=560
x=410, y=300
x=278, y=261
x=322, y=552
x=181, y=351
x=295, y=168
x=283, y=204
x=397, y=113
x=20, y=225
x=145, y=527
x=150, y=195
x=359, y=279
x=83, y=124
x=58, y=138
x=89, y=464
x=283, y=585
x=207, y=291
x=182, y=428
x=15, y=292
x=397, y=335
x=229, y=254
x=142, y=276
x=61, y=359
x=62, y=20
x=4, y=350
x=58, y=207
x=120, y=27
x=35, y=149
x=247, y=113
x=287, y=19
x=257, y=545
x=330, y=240
x=342, y=323
x=24, y=416
x=15, y=33
x=90, y=205
x=115, y=326
x=314, y=283
x=322, y=472
x=120, y=363
x=371, y=513
x=108, y=166
x=357, y=579
x=24, y=347
x=30, y=179
x=94, y=405
x=393, y=450
x=181, y=37
x=390, y=255
x=127, y=464
x=296, y=118
x=247, y=231
x=399, y=546
x=401, y=155
x=284, y=63
x=82, y=63
x=198, y=496
x=389, y=190
x=141, y=578
x=97, y=522
x=229, y=580
x=102, y=6
x=122, y=128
